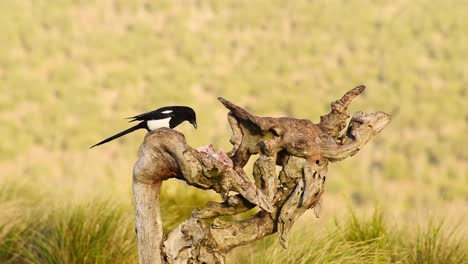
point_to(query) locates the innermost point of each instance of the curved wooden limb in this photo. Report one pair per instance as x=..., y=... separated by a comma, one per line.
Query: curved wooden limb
x=196, y=241
x=148, y=220
x=198, y=169
x=306, y=194
x=264, y=173
x=361, y=128
x=334, y=122
x=165, y=154
x=301, y=148
x=233, y=205
x=152, y=167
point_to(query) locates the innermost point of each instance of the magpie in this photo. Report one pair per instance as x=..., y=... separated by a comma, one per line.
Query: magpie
x=168, y=116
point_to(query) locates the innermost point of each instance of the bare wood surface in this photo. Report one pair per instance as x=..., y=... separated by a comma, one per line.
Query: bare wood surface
x=302, y=149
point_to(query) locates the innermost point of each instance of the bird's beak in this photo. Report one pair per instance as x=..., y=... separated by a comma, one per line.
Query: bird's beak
x=194, y=125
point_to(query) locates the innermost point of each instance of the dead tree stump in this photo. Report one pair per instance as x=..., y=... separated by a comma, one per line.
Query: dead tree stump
x=302, y=149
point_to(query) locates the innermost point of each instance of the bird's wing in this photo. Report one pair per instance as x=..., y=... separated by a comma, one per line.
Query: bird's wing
x=160, y=113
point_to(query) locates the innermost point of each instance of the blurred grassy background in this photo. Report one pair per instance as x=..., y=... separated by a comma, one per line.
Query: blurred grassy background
x=70, y=71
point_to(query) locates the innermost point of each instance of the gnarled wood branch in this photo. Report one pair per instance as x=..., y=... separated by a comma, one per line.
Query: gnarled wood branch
x=302, y=149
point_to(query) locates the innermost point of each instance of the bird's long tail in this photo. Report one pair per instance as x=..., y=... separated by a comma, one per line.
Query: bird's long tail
x=123, y=133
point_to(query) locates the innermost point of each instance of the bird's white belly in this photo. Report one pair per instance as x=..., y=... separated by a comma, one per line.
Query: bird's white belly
x=155, y=124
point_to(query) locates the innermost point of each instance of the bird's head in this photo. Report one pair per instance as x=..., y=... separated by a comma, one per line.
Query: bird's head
x=179, y=114
x=192, y=117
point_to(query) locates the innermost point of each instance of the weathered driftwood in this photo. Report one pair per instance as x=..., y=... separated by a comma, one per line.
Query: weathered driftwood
x=301, y=148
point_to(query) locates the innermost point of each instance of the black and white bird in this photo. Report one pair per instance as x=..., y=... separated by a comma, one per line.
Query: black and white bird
x=169, y=116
